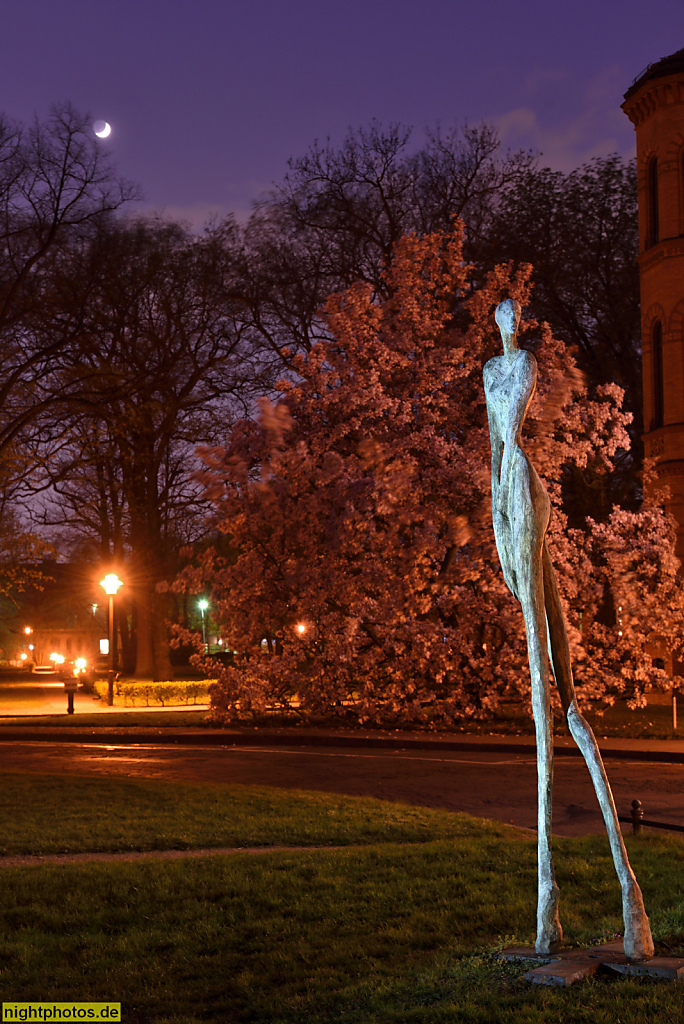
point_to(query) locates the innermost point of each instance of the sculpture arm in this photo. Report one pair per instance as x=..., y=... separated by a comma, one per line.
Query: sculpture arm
x=517, y=411
x=497, y=449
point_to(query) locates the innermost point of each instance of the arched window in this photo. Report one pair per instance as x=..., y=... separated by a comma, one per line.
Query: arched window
x=658, y=403
x=652, y=201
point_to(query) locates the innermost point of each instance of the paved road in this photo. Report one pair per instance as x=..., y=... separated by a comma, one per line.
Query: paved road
x=498, y=786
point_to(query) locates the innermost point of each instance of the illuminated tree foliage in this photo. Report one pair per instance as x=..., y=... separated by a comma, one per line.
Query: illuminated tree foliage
x=359, y=508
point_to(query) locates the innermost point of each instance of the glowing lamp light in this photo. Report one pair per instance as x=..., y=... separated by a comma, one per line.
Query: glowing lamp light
x=28, y=630
x=23, y=657
x=301, y=628
x=57, y=659
x=203, y=604
x=111, y=584
x=80, y=665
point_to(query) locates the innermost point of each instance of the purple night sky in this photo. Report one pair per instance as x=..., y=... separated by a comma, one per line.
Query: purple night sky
x=208, y=99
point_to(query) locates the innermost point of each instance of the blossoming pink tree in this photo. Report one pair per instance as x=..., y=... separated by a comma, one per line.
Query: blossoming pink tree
x=364, y=575
x=624, y=581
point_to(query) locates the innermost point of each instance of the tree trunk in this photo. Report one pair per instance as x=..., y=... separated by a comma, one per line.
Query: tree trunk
x=144, y=653
x=126, y=631
x=160, y=639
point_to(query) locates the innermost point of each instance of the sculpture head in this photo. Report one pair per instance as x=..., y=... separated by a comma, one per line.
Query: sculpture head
x=507, y=317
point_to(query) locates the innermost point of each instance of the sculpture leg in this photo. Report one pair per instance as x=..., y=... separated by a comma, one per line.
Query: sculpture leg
x=637, y=941
x=531, y=593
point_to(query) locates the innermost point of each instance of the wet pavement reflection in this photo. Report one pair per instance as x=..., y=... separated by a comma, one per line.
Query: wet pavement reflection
x=492, y=785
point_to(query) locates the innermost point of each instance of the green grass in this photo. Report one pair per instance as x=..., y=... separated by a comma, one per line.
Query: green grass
x=384, y=934
x=652, y=722
x=59, y=814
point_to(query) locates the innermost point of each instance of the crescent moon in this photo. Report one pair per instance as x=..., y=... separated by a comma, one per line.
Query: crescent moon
x=102, y=129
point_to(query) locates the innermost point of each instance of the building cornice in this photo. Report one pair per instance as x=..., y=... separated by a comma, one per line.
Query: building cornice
x=673, y=467
x=658, y=444
x=654, y=93
x=666, y=249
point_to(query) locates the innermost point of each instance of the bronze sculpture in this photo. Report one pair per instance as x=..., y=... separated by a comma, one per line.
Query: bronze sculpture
x=521, y=510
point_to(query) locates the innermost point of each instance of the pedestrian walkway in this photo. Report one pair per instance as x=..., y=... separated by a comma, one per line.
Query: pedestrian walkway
x=32, y=699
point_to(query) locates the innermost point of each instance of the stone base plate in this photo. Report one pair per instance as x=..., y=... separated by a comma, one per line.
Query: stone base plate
x=571, y=965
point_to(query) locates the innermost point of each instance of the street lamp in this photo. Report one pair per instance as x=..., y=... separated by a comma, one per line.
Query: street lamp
x=203, y=605
x=110, y=585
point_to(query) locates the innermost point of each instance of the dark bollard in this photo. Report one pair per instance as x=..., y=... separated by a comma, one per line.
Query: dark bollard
x=637, y=815
x=70, y=687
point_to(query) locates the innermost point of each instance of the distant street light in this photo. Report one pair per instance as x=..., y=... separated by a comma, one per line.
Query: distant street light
x=301, y=628
x=110, y=585
x=203, y=605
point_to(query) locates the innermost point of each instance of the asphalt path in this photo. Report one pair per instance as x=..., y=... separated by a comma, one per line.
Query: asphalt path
x=498, y=786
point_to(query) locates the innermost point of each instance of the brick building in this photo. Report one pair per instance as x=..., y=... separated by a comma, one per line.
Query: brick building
x=63, y=614
x=654, y=104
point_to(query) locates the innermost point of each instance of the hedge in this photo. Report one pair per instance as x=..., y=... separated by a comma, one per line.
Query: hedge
x=149, y=694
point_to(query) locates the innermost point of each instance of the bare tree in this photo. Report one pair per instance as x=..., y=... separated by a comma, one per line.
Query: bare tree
x=155, y=364
x=340, y=211
x=580, y=233
x=56, y=185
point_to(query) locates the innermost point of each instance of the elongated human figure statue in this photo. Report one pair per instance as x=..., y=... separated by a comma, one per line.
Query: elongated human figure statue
x=521, y=511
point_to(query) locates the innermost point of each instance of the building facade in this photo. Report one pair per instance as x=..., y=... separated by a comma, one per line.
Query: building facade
x=654, y=104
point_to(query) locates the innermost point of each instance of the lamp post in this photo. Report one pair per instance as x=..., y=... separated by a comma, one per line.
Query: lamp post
x=203, y=605
x=110, y=585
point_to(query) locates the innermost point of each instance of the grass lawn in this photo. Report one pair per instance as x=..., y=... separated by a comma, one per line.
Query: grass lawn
x=56, y=814
x=398, y=928
x=652, y=722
